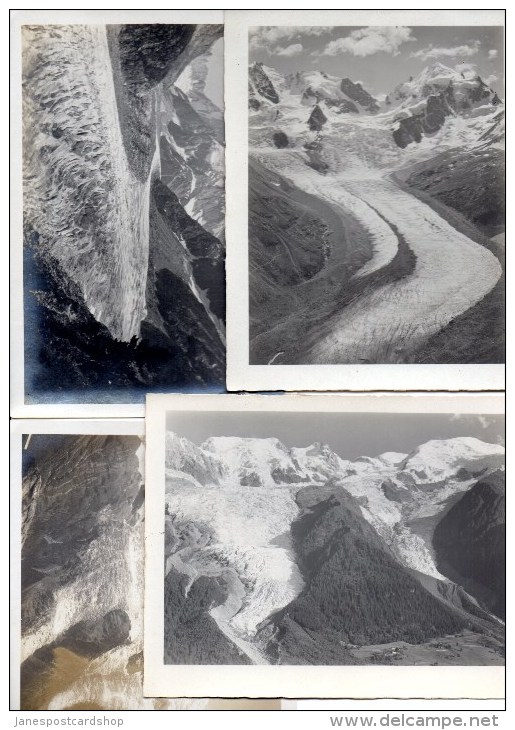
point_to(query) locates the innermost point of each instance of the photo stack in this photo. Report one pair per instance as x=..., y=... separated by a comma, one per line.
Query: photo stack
x=258, y=357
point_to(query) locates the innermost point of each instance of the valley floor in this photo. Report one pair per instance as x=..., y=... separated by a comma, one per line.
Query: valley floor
x=464, y=649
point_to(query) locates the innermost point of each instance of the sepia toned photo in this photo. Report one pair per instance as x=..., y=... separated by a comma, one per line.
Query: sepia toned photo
x=79, y=556
x=376, y=198
x=123, y=210
x=297, y=537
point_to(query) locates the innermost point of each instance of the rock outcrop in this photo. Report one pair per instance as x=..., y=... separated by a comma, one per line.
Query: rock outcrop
x=357, y=93
x=317, y=119
x=262, y=83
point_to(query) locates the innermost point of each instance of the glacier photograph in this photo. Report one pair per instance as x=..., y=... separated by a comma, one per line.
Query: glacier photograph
x=82, y=577
x=376, y=195
x=82, y=573
x=123, y=211
x=332, y=538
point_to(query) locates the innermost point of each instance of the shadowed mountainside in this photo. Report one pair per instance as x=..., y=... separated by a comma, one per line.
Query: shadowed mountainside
x=356, y=592
x=470, y=543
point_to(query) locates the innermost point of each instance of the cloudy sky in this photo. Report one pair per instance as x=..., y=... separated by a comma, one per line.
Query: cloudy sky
x=350, y=434
x=214, y=88
x=379, y=57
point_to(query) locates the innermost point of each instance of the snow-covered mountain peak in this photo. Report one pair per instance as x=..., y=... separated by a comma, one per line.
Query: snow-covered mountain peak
x=318, y=449
x=193, y=81
x=440, y=459
x=225, y=444
x=436, y=70
x=458, y=84
x=392, y=458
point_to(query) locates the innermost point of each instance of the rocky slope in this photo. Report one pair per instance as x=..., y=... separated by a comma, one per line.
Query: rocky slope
x=83, y=574
x=104, y=247
x=435, y=94
x=279, y=536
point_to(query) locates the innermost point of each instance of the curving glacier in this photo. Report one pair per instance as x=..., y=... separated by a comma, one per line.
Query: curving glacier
x=425, y=269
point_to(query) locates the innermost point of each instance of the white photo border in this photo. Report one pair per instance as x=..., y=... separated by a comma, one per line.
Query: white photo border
x=19, y=408
x=241, y=375
x=359, y=682
x=19, y=428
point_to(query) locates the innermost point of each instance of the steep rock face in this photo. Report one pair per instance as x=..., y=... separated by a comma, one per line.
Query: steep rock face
x=184, y=294
x=346, y=313
x=428, y=121
x=204, y=254
x=470, y=543
x=254, y=102
x=280, y=140
x=282, y=231
x=192, y=146
x=357, y=93
x=437, y=93
x=317, y=119
x=262, y=84
x=341, y=96
x=141, y=57
x=235, y=536
x=481, y=172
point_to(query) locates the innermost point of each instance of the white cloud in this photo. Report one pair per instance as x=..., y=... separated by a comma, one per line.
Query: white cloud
x=492, y=53
x=465, y=51
x=295, y=49
x=492, y=79
x=370, y=40
x=272, y=39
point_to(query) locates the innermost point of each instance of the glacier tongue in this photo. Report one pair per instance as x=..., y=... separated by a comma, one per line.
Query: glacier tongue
x=250, y=532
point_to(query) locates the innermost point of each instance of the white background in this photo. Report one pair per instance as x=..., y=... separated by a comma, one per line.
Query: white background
x=311, y=720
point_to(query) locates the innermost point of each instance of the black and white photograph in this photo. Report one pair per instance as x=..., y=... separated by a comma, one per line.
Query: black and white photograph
x=376, y=195
x=82, y=563
x=123, y=209
x=294, y=536
x=79, y=500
